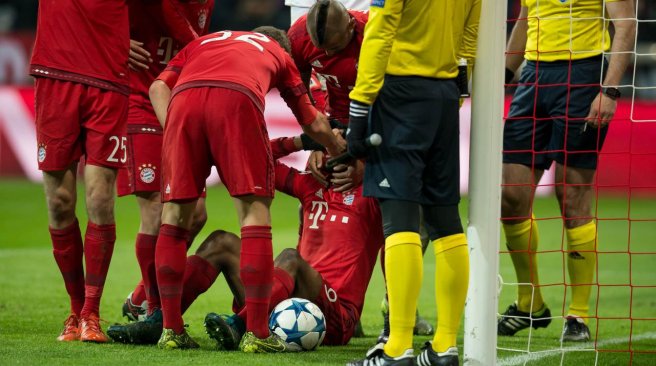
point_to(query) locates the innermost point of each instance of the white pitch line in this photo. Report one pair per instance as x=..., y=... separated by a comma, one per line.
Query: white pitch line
x=538, y=355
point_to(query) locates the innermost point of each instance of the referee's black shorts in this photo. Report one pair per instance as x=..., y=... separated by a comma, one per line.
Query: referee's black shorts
x=547, y=115
x=418, y=160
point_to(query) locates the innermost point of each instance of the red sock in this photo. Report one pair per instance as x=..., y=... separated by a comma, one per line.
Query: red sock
x=68, y=250
x=139, y=294
x=199, y=276
x=170, y=261
x=256, y=270
x=145, y=248
x=98, y=248
x=283, y=287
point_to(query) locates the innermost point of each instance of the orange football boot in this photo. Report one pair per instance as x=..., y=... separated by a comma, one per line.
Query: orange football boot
x=90, y=330
x=71, y=331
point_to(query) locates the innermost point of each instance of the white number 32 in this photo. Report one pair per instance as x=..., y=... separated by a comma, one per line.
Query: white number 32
x=248, y=38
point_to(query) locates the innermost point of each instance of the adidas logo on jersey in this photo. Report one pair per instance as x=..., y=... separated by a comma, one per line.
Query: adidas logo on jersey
x=319, y=193
x=384, y=183
x=316, y=63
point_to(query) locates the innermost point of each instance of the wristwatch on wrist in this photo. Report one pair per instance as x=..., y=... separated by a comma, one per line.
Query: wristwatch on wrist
x=612, y=93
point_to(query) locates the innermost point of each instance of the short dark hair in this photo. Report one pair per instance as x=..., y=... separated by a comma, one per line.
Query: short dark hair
x=277, y=35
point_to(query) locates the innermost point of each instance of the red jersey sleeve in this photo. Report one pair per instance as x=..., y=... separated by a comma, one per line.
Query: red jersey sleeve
x=295, y=34
x=294, y=183
x=294, y=92
x=172, y=71
x=282, y=147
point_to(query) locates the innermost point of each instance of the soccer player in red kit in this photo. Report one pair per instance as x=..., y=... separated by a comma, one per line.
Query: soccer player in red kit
x=211, y=100
x=159, y=29
x=340, y=239
x=80, y=63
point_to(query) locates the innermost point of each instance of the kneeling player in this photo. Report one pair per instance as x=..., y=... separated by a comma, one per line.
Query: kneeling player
x=334, y=261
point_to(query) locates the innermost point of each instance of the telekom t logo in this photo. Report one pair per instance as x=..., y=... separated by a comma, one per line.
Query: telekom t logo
x=318, y=212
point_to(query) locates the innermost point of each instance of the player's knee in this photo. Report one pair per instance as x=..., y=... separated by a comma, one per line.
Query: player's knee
x=61, y=206
x=399, y=216
x=289, y=260
x=442, y=221
x=513, y=202
x=198, y=221
x=219, y=243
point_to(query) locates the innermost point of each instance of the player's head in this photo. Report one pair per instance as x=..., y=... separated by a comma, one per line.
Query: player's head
x=277, y=35
x=330, y=26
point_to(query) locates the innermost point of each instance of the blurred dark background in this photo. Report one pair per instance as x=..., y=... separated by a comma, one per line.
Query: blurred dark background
x=18, y=23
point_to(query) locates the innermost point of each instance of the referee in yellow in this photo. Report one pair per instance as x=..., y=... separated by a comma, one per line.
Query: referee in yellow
x=566, y=97
x=407, y=80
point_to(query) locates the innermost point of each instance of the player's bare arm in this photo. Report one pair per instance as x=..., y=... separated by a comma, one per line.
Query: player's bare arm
x=603, y=106
x=517, y=44
x=160, y=95
x=139, y=57
x=319, y=130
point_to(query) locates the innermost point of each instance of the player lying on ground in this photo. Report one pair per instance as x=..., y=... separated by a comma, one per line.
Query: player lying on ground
x=327, y=41
x=332, y=265
x=158, y=31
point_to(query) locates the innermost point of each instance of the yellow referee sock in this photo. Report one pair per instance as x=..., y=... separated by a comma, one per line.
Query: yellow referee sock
x=403, y=273
x=522, y=241
x=581, y=261
x=451, y=282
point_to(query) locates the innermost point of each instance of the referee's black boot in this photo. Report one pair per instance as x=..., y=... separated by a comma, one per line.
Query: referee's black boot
x=428, y=357
x=376, y=357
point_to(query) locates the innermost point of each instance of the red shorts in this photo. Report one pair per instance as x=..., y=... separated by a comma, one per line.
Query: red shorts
x=340, y=318
x=74, y=119
x=221, y=127
x=143, y=168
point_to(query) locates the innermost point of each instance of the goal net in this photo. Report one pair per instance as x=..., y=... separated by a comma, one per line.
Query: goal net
x=622, y=315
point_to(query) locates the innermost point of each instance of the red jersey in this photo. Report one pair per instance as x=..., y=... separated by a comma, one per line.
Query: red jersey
x=341, y=236
x=339, y=70
x=248, y=62
x=83, y=41
x=164, y=27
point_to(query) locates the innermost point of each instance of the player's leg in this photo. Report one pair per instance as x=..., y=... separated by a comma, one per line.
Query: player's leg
x=199, y=219
x=574, y=191
x=218, y=253
x=525, y=138
x=61, y=195
x=256, y=260
x=59, y=150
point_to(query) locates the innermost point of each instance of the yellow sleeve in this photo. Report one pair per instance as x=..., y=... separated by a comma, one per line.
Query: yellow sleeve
x=468, y=44
x=379, y=34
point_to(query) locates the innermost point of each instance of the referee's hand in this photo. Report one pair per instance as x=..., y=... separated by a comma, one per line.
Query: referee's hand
x=357, y=129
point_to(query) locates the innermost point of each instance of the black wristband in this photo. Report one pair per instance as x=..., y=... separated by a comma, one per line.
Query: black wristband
x=613, y=93
x=309, y=144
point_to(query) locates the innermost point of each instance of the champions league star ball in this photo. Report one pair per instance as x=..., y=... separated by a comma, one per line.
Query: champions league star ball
x=298, y=322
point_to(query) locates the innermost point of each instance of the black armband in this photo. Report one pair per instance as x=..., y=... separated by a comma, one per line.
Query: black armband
x=309, y=144
x=510, y=75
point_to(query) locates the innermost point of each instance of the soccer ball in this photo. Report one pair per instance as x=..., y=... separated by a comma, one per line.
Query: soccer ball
x=299, y=323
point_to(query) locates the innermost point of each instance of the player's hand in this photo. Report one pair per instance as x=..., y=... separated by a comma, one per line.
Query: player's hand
x=315, y=163
x=347, y=177
x=602, y=111
x=357, y=129
x=139, y=57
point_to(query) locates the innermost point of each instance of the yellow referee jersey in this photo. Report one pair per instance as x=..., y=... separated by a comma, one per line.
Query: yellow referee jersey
x=408, y=37
x=560, y=30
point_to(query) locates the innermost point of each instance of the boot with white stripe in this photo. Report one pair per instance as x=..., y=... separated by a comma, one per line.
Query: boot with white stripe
x=376, y=357
x=428, y=357
x=513, y=320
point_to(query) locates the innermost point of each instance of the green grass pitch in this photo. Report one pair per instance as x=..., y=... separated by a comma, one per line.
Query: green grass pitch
x=33, y=302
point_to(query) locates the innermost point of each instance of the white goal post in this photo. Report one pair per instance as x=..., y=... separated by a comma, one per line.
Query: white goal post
x=483, y=231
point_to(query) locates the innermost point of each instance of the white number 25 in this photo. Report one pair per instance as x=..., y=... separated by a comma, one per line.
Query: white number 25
x=119, y=143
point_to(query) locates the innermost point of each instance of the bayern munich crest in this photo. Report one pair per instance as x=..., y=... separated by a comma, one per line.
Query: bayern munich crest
x=41, y=153
x=147, y=173
x=348, y=200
